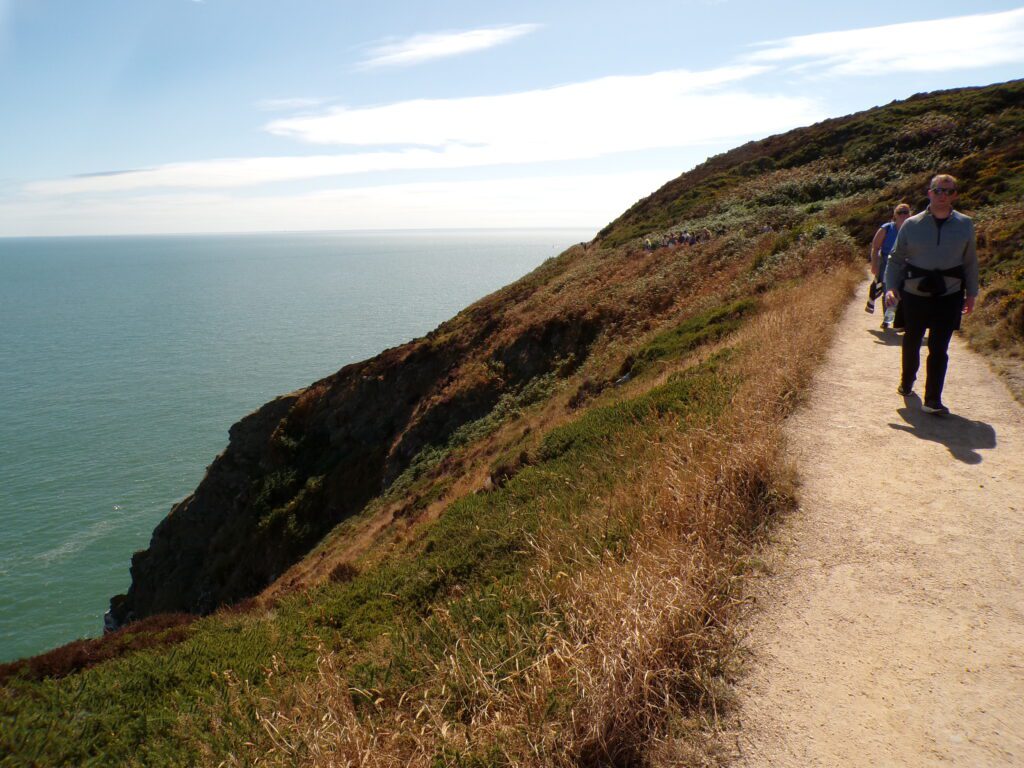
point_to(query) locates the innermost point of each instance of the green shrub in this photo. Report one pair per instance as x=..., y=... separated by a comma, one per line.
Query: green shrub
x=692, y=333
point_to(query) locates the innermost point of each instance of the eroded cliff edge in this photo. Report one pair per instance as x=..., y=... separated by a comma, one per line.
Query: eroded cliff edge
x=305, y=461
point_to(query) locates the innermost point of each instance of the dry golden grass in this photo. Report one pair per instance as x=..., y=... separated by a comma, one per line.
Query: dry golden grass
x=636, y=647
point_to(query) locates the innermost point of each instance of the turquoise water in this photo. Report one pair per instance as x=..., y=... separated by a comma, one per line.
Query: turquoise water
x=124, y=361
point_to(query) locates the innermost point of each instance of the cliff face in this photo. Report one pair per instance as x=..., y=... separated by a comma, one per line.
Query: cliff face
x=305, y=461
x=180, y=570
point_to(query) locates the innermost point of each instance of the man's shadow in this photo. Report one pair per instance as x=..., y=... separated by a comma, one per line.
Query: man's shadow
x=888, y=337
x=963, y=437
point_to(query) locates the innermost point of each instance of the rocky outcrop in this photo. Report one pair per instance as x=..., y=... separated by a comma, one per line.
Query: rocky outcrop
x=185, y=565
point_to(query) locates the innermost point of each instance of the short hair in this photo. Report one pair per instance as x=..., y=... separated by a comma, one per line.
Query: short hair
x=901, y=207
x=944, y=177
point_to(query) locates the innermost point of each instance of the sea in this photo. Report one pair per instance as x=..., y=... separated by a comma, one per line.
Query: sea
x=124, y=361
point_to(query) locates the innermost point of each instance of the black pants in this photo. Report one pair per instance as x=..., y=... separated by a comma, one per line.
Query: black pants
x=940, y=316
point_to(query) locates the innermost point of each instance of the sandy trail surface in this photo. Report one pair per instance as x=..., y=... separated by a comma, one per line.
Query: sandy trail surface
x=890, y=628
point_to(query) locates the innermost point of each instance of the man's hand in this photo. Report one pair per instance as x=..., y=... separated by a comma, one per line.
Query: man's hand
x=891, y=298
x=969, y=305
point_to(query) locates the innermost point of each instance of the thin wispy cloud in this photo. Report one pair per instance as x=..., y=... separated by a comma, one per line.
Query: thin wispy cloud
x=94, y=174
x=607, y=114
x=428, y=47
x=962, y=42
x=584, y=120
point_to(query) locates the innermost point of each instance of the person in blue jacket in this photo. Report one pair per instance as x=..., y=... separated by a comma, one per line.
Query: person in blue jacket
x=881, y=246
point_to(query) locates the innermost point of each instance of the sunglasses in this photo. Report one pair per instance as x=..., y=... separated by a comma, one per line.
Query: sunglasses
x=902, y=213
x=943, y=191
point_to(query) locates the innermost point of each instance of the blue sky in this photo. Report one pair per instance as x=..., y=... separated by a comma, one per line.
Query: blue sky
x=132, y=116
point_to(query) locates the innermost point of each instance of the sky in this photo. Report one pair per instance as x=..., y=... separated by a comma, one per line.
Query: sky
x=180, y=116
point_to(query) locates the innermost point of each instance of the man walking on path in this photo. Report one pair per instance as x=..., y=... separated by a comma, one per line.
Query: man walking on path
x=933, y=271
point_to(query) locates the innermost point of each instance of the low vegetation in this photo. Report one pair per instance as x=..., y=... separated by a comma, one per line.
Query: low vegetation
x=854, y=169
x=608, y=643
x=551, y=577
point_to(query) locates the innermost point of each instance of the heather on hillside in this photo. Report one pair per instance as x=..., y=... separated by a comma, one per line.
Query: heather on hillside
x=854, y=169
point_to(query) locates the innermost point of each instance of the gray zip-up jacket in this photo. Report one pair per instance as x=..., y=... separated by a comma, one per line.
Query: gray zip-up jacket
x=924, y=244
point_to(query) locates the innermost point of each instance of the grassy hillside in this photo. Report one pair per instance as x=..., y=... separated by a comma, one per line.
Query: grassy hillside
x=546, y=564
x=854, y=169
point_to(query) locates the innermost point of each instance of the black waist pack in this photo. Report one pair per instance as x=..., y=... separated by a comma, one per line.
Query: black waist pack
x=932, y=282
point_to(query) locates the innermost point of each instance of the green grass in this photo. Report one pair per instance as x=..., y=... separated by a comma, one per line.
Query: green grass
x=692, y=333
x=480, y=542
x=509, y=406
x=130, y=711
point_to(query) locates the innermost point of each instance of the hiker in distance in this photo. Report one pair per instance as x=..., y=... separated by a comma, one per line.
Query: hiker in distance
x=881, y=246
x=933, y=271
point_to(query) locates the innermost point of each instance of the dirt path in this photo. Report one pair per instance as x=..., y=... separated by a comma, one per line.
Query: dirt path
x=891, y=630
